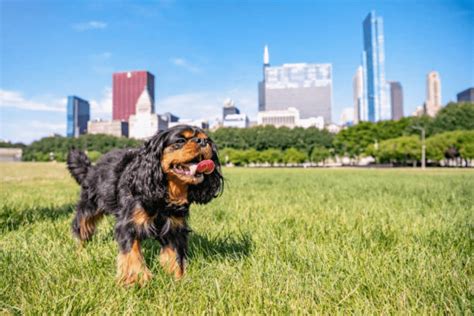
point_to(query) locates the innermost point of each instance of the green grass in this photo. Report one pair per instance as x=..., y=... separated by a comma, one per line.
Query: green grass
x=278, y=241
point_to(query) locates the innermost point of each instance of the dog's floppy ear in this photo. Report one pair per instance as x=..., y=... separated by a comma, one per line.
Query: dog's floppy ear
x=150, y=180
x=213, y=183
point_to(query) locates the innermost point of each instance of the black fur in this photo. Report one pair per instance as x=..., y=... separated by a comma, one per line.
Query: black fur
x=124, y=179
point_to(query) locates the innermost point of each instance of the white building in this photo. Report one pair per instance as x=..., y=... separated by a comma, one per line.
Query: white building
x=114, y=128
x=204, y=124
x=236, y=120
x=433, y=93
x=278, y=118
x=317, y=122
x=288, y=118
x=145, y=123
x=333, y=128
x=11, y=154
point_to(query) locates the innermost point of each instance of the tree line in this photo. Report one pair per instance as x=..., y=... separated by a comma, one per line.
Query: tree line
x=449, y=139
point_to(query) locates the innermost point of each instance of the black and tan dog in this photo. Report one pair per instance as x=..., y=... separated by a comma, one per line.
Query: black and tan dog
x=149, y=191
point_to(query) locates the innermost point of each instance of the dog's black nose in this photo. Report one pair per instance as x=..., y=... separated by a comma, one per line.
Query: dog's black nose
x=201, y=141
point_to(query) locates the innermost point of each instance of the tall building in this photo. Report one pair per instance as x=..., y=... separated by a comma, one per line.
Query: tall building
x=78, y=114
x=358, y=96
x=229, y=108
x=145, y=122
x=377, y=104
x=466, y=95
x=127, y=87
x=433, y=93
x=396, y=99
x=306, y=87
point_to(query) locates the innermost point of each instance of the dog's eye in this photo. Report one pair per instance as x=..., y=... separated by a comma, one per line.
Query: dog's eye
x=179, y=143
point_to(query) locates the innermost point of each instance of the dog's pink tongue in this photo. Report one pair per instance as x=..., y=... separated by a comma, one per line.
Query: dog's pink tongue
x=205, y=166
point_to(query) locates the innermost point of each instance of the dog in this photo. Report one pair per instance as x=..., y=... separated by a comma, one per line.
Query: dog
x=149, y=191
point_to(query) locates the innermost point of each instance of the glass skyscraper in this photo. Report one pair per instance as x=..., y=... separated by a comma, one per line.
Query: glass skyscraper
x=78, y=114
x=373, y=63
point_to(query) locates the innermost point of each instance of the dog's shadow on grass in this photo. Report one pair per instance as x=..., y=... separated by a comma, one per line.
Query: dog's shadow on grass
x=12, y=218
x=228, y=246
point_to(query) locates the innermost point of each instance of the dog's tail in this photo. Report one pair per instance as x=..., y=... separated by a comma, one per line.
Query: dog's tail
x=78, y=164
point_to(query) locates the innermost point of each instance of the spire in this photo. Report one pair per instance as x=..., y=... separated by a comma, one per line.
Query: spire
x=266, y=56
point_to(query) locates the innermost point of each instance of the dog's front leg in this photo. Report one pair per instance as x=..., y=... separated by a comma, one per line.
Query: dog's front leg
x=131, y=267
x=174, y=248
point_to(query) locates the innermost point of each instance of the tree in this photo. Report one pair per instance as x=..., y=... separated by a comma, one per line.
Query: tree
x=454, y=116
x=293, y=155
x=453, y=145
x=319, y=154
x=404, y=150
x=271, y=156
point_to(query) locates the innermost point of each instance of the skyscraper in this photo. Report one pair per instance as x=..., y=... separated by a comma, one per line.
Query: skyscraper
x=358, y=96
x=306, y=87
x=229, y=108
x=396, y=99
x=433, y=93
x=127, y=88
x=78, y=114
x=373, y=61
x=466, y=95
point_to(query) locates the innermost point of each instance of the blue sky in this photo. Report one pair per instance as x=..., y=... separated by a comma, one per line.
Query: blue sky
x=203, y=52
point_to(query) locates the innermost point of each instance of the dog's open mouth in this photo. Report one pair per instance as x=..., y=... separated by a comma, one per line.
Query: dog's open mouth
x=186, y=169
x=194, y=168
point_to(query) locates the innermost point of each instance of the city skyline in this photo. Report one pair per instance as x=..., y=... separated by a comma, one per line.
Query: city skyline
x=200, y=57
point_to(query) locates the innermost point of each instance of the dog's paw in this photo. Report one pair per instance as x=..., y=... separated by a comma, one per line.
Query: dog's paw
x=131, y=278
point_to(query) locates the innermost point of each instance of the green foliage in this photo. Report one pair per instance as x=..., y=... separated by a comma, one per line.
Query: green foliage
x=319, y=154
x=266, y=137
x=405, y=149
x=94, y=155
x=450, y=145
x=356, y=140
x=271, y=156
x=41, y=150
x=454, y=116
x=293, y=155
x=11, y=145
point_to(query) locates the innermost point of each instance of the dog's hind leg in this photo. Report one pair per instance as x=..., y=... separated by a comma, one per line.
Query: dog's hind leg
x=85, y=221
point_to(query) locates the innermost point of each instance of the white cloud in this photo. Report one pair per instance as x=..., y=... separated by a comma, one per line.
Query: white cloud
x=207, y=105
x=90, y=25
x=49, y=128
x=28, y=131
x=183, y=63
x=15, y=99
x=103, y=107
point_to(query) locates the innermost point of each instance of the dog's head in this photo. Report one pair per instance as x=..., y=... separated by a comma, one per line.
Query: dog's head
x=176, y=153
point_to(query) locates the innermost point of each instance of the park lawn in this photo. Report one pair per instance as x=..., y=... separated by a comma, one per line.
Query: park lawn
x=278, y=241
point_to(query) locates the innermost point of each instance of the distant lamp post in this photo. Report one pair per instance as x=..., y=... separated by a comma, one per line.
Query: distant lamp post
x=423, y=146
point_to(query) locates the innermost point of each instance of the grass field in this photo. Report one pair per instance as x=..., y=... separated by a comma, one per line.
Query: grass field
x=278, y=241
